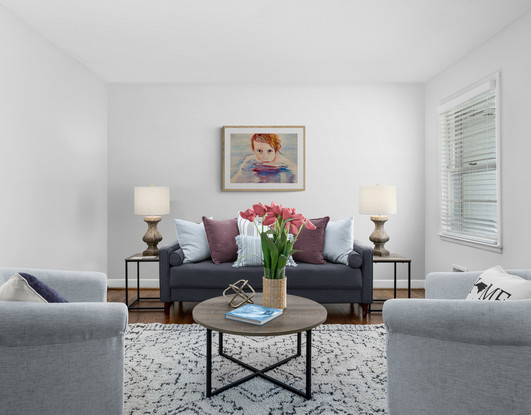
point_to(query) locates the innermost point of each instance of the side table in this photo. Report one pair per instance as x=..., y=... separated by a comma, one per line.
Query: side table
x=394, y=259
x=138, y=258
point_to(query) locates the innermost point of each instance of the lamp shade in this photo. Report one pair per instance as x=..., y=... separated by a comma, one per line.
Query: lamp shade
x=378, y=200
x=152, y=200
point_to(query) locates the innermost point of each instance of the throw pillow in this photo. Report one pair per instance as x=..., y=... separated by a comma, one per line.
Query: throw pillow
x=25, y=287
x=311, y=243
x=496, y=284
x=221, y=236
x=246, y=227
x=339, y=240
x=250, y=252
x=192, y=240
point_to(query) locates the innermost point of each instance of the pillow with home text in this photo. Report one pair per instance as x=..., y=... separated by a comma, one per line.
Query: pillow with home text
x=496, y=285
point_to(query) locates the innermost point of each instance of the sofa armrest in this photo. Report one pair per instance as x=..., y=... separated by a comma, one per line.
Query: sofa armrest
x=464, y=321
x=164, y=269
x=366, y=270
x=74, y=286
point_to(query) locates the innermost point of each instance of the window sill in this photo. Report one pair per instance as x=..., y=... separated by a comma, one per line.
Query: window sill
x=492, y=248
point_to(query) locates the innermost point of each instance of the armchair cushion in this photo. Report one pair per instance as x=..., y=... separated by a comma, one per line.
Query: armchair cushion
x=496, y=284
x=25, y=287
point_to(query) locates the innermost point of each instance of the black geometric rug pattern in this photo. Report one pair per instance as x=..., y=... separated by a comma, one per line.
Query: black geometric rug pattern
x=165, y=368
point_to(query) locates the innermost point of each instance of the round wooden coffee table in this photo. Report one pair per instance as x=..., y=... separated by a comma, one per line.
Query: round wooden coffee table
x=301, y=315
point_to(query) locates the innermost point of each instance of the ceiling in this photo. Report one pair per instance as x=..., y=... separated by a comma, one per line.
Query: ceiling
x=267, y=40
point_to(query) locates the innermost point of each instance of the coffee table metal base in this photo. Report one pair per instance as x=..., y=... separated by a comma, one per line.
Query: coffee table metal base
x=260, y=372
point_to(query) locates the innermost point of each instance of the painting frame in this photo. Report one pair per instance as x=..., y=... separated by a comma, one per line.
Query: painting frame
x=244, y=169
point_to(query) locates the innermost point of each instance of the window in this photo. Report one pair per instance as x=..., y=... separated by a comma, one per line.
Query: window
x=470, y=185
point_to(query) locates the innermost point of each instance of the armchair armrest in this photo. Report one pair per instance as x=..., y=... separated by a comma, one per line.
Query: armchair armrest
x=365, y=252
x=35, y=324
x=458, y=356
x=74, y=286
x=164, y=269
x=464, y=321
x=62, y=358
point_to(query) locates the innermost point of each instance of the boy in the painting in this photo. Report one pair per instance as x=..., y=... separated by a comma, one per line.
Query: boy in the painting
x=266, y=164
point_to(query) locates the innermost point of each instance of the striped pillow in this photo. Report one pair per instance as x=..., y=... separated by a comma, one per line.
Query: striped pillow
x=250, y=252
x=248, y=228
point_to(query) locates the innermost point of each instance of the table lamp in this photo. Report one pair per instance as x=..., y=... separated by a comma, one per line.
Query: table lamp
x=378, y=201
x=152, y=201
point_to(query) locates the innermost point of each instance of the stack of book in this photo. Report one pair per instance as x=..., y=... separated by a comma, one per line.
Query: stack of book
x=254, y=314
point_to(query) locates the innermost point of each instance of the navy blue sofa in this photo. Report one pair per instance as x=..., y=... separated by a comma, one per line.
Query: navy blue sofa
x=324, y=283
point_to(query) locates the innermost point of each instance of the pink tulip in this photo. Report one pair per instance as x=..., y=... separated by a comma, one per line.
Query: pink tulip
x=276, y=209
x=248, y=214
x=294, y=229
x=270, y=219
x=259, y=209
x=309, y=225
x=287, y=213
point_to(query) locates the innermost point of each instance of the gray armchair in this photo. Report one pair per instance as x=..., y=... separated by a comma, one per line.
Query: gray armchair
x=446, y=355
x=62, y=358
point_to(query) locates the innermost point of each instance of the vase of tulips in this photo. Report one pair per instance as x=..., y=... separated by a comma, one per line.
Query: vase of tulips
x=279, y=228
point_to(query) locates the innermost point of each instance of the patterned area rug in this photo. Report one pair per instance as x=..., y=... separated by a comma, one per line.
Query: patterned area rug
x=165, y=372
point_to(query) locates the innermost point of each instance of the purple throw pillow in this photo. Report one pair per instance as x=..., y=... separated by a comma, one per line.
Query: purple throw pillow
x=48, y=293
x=311, y=243
x=221, y=237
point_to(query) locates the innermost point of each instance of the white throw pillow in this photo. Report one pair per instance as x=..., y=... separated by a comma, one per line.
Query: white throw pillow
x=250, y=252
x=496, y=284
x=339, y=240
x=248, y=228
x=192, y=240
x=17, y=288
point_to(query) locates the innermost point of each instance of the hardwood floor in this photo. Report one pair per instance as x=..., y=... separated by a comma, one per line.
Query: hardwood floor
x=181, y=313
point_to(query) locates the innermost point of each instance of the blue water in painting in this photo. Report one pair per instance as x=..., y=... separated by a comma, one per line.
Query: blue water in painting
x=240, y=148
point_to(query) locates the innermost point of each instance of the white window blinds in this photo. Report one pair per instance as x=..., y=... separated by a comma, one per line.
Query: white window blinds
x=470, y=188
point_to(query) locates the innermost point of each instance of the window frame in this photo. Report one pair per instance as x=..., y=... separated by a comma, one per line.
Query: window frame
x=452, y=102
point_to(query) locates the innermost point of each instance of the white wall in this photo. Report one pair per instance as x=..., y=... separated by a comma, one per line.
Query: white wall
x=53, y=172
x=170, y=134
x=508, y=52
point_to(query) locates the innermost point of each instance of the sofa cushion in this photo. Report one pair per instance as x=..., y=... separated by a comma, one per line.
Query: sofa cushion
x=311, y=243
x=250, y=252
x=26, y=287
x=193, y=241
x=339, y=240
x=496, y=284
x=221, y=236
x=206, y=274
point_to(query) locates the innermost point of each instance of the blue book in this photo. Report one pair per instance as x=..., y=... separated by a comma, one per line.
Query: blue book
x=254, y=314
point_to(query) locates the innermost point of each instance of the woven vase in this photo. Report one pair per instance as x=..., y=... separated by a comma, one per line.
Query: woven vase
x=275, y=293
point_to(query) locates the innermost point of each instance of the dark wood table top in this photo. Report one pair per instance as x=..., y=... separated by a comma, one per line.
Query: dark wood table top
x=300, y=315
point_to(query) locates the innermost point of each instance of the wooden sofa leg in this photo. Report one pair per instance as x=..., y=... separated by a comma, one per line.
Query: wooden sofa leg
x=167, y=308
x=365, y=309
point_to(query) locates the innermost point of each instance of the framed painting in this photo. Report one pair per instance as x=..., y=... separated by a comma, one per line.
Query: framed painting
x=264, y=158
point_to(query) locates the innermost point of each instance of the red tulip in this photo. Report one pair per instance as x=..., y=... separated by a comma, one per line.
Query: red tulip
x=248, y=214
x=259, y=209
x=276, y=209
x=310, y=225
x=270, y=219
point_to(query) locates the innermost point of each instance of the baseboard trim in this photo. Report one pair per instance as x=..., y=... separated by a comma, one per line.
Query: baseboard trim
x=144, y=283
x=401, y=283
x=153, y=283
